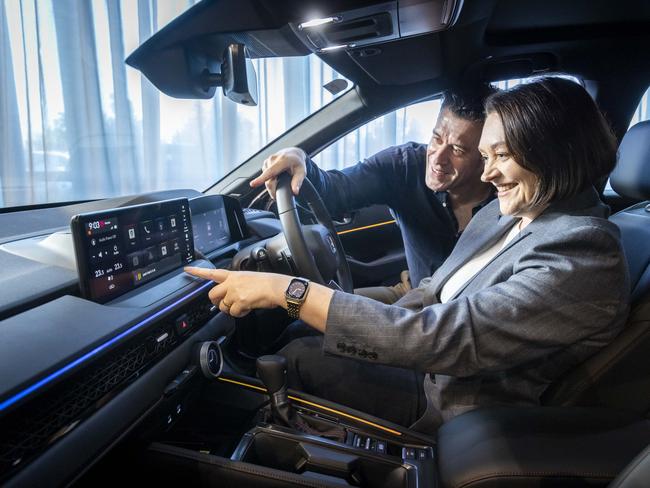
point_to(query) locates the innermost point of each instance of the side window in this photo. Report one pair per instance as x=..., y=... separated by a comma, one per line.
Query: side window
x=412, y=123
x=642, y=112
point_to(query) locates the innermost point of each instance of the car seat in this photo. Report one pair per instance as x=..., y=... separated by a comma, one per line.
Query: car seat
x=619, y=375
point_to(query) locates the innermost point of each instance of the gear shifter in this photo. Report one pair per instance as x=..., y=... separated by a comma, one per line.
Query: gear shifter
x=272, y=370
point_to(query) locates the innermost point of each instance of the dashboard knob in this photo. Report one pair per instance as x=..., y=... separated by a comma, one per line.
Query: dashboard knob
x=210, y=359
x=259, y=253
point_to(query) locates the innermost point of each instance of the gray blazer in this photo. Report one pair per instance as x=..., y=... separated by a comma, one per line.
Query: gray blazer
x=552, y=297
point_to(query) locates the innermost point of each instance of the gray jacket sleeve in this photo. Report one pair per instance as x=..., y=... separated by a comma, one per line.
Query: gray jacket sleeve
x=563, y=290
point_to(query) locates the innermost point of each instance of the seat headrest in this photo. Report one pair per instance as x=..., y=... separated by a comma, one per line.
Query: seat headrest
x=631, y=177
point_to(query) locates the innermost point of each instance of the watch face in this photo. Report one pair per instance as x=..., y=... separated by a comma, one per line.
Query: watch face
x=296, y=289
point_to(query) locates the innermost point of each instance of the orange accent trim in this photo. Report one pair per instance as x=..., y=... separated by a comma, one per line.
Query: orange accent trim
x=228, y=380
x=343, y=414
x=366, y=227
x=322, y=407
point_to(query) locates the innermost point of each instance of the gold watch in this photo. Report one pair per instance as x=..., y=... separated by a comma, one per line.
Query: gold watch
x=295, y=295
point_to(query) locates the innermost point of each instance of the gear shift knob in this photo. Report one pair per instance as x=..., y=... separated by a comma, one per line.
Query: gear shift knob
x=272, y=370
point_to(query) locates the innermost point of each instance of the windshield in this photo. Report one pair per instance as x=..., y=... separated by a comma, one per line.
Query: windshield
x=77, y=123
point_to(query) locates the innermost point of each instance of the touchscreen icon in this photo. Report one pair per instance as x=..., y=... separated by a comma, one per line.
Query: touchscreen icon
x=135, y=260
x=147, y=230
x=160, y=225
x=172, y=222
x=150, y=255
x=132, y=233
x=164, y=249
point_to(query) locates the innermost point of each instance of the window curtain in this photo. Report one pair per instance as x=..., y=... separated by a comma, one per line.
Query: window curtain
x=14, y=170
x=78, y=123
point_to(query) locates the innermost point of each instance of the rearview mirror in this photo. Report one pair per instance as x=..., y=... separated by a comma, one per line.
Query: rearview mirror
x=237, y=77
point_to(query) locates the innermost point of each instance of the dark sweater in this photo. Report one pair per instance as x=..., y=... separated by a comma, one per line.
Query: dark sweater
x=396, y=177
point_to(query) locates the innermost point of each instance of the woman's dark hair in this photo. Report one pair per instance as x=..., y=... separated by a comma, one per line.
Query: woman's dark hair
x=553, y=128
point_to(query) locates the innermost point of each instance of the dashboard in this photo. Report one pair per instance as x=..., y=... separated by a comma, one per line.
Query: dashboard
x=100, y=328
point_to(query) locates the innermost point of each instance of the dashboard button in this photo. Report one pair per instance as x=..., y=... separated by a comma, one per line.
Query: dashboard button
x=183, y=324
x=408, y=453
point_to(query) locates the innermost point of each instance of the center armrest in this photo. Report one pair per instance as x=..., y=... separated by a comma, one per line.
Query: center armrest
x=531, y=446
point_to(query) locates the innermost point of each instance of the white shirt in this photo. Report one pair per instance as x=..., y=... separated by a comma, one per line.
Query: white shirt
x=468, y=270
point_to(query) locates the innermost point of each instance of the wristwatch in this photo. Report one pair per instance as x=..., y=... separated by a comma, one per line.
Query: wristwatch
x=295, y=295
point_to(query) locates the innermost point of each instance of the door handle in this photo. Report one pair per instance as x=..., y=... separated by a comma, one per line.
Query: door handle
x=347, y=218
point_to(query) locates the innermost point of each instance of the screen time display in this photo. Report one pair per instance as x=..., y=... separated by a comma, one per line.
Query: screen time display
x=211, y=229
x=119, y=250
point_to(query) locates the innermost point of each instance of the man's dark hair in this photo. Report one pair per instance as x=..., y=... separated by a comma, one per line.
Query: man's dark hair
x=553, y=128
x=468, y=102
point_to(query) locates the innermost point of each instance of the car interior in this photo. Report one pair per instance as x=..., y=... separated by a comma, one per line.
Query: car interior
x=116, y=369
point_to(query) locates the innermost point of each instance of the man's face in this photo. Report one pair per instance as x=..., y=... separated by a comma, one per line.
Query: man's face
x=453, y=159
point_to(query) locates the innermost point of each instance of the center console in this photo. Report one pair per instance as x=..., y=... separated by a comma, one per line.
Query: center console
x=296, y=440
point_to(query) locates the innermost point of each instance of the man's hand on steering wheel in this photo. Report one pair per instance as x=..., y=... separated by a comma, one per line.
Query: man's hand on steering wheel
x=293, y=160
x=326, y=246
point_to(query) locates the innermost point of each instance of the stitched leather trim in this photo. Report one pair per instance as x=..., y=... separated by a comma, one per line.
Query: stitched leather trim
x=535, y=474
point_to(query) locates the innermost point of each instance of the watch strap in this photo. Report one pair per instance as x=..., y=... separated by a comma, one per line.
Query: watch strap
x=293, y=309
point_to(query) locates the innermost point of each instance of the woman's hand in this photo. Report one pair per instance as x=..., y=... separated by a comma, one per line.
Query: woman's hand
x=239, y=292
x=291, y=159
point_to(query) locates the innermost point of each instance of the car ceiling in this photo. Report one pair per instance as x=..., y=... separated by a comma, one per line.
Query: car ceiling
x=489, y=37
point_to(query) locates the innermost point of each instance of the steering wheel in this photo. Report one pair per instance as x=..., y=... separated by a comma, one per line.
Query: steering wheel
x=324, y=242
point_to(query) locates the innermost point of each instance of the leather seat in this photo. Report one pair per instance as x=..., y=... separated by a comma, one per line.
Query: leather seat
x=619, y=375
x=636, y=474
x=538, y=446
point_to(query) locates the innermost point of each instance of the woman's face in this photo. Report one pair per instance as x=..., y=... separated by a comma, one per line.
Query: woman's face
x=515, y=185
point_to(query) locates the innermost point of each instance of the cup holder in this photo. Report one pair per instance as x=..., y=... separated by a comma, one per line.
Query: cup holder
x=312, y=457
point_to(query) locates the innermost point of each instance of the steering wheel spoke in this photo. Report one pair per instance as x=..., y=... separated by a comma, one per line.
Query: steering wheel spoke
x=316, y=250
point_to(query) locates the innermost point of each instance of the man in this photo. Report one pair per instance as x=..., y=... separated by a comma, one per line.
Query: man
x=432, y=190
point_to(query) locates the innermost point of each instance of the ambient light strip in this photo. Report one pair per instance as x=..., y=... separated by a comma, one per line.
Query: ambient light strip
x=366, y=227
x=316, y=405
x=48, y=379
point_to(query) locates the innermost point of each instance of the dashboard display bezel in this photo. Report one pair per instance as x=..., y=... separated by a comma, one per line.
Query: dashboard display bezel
x=130, y=214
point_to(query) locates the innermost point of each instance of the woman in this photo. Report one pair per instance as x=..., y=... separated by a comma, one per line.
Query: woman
x=536, y=284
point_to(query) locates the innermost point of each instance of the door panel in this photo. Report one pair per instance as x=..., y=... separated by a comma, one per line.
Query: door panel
x=374, y=246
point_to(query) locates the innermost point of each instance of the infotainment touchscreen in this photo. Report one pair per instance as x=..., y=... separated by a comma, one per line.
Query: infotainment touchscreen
x=118, y=250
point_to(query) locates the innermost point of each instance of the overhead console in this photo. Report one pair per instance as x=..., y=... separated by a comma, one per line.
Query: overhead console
x=377, y=23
